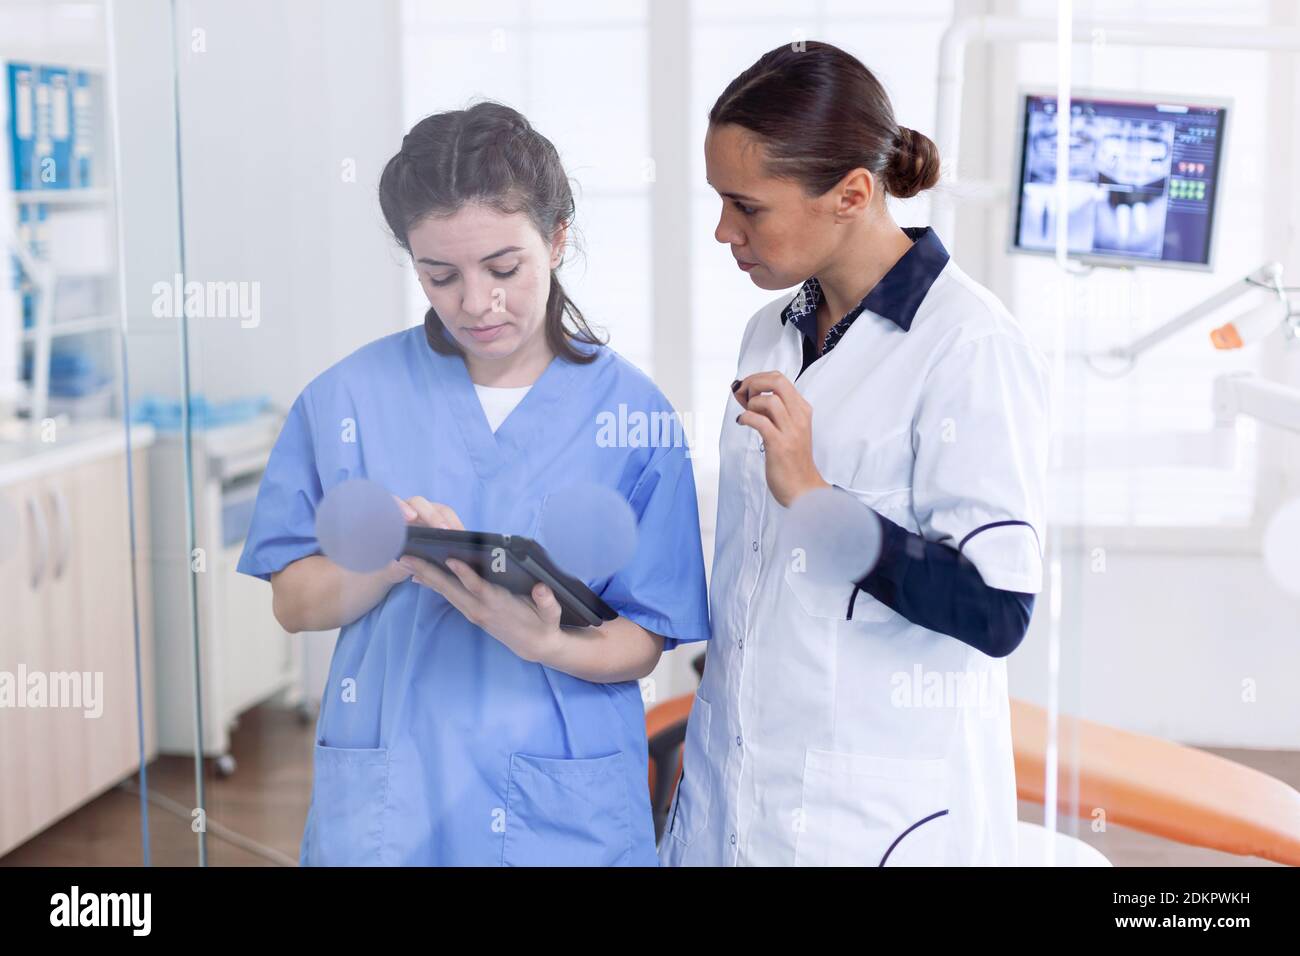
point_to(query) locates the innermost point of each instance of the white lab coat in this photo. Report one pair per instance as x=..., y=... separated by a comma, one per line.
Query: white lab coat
x=816, y=739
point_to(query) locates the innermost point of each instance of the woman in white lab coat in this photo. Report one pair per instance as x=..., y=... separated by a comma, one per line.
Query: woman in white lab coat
x=859, y=718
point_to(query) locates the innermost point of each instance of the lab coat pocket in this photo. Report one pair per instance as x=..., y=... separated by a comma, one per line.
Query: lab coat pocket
x=345, y=826
x=861, y=810
x=830, y=592
x=567, y=811
x=881, y=465
x=833, y=599
x=690, y=810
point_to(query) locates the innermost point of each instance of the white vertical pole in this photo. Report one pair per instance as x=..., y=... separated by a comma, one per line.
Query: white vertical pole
x=671, y=342
x=672, y=348
x=1064, y=40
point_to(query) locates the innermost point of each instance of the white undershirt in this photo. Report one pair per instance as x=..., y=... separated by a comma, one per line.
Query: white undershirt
x=499, y=402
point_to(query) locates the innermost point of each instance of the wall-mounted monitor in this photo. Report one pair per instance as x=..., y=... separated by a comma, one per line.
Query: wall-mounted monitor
x=1145, y=176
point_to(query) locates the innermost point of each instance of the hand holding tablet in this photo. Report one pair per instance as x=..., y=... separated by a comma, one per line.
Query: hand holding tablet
x=513, y=562
x=363, y=528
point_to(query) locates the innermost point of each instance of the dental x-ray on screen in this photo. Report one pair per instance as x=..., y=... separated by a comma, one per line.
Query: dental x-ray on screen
x=1144, y=179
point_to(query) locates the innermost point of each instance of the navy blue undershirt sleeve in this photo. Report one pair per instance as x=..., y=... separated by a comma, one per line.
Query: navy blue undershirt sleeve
x=933, y=585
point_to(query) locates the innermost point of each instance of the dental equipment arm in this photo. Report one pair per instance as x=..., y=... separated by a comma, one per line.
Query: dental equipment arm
x=1234, y=334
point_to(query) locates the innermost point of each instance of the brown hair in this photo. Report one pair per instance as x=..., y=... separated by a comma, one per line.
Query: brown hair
x=819, y=114
x=489, y=154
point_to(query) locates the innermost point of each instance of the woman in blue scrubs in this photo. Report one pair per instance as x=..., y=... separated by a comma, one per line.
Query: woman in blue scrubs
x=461, y=724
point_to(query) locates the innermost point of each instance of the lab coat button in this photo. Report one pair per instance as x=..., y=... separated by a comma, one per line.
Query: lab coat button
x=755, y=546
x=737, y=740
x=733, y=839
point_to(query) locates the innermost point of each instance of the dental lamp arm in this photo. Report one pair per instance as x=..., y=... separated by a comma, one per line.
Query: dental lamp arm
x=1268, y=276
x=1244, y=393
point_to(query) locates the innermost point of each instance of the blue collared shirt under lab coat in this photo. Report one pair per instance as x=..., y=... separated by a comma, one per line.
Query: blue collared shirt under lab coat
x=436, y=744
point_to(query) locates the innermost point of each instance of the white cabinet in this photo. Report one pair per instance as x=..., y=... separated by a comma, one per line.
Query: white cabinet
x=22, y=574
x=67, y=621
x=245, y=657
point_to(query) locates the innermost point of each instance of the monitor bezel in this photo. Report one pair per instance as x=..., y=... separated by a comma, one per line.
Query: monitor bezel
x=1227, y=105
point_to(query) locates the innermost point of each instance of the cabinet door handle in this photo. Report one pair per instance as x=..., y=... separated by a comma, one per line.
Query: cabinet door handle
x=41, y=538
x=60, y=504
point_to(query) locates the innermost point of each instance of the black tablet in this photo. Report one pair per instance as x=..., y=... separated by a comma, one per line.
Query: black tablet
x=514, y=562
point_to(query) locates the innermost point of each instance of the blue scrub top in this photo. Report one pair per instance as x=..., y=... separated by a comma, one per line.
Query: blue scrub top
x=436, y=744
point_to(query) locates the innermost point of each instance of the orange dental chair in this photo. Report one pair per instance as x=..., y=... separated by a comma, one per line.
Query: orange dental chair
x=1141, y=782
x=1163, y=788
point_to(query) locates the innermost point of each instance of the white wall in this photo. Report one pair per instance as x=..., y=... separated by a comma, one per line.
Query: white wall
x=1199, y=648
x=278, y=101
x=275, y=99
x=149, y=203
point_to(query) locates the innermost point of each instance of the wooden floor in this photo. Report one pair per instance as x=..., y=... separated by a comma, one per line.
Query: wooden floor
x=265, y=801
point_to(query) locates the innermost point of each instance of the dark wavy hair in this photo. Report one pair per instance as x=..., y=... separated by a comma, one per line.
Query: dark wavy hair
x=488, y=154
x=820, y=113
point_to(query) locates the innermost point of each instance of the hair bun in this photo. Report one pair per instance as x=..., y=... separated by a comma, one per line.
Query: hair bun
x=410, y=146
x=914, y=165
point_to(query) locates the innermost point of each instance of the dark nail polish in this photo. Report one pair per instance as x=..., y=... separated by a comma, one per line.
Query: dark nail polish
x=735, y=385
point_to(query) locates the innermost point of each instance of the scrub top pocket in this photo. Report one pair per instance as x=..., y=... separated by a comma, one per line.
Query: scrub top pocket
x=861, y=810
x=345, y=826
x=567, y=812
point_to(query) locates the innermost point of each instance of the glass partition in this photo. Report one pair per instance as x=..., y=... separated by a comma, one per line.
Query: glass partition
x=196, y=255
x=83, y=547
